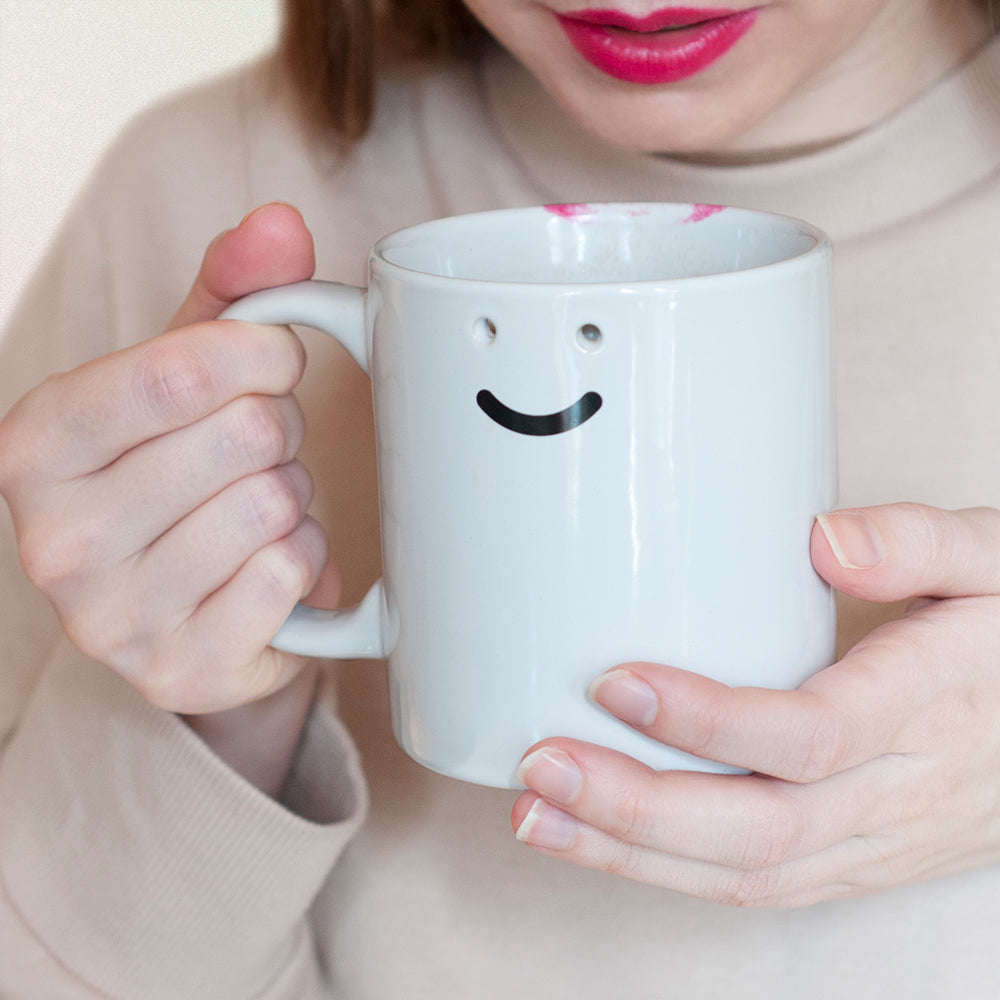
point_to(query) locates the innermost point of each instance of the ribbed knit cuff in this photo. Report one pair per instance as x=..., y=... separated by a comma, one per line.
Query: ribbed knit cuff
x=143, y=863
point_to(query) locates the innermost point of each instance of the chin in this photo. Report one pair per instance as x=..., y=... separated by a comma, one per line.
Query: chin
x=695, y=126
x=670, y=141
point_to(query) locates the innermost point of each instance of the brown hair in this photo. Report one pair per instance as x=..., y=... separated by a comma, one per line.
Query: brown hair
x=331, y=51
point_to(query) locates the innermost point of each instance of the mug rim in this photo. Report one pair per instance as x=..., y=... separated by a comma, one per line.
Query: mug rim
x=821, y=244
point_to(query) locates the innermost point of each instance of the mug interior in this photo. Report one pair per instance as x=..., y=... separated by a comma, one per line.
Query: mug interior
x=586, y=244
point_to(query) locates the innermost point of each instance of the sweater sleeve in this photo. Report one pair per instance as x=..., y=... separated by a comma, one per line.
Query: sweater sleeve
x=134, y=862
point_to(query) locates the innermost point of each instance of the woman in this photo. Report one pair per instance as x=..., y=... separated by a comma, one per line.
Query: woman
x=185, y=816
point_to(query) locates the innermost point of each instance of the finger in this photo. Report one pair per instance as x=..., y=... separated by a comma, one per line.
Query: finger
x=271, y=246
x=733, y=820
x=180, y=471
x=77, y=423
x=899, y=551
x=554, y=832
x=905, y=688
x=718, y=837
x=736, y=821
x=835, y=721
x=243, y=617
x=219, y=658
x=206, y=549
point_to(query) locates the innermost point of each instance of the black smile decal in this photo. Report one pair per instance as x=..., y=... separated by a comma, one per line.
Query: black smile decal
x=539, y=426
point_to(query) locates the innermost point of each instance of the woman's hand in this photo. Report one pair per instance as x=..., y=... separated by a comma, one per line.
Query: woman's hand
x=880, y=770
x=156, y=494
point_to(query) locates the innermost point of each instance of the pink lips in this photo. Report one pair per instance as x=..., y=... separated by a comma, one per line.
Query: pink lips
x=668, y=45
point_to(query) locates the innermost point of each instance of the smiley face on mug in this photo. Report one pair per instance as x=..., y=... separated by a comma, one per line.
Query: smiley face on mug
x=590, y=339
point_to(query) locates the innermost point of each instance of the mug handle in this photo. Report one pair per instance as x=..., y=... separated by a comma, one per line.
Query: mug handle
x=338, y=310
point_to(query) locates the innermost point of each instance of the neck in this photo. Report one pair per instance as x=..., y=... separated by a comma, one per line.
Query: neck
x=908, y=48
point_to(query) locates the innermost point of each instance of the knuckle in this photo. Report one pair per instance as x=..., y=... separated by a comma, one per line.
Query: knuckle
x=173, y=380
x=704, y=726
x=749, y=888
x=42, y=565
x=275, y=504
x=105, y=630
x=164, y=686
x=25, y=442
x=9, y=462
x=773, y=835
x=268, y=348
x=294, y=357
x=625, y=861
x=936, y=540
x=632, y=820
x=285, y=572
x=15, y=448
x=287, y=359
x=256, y=431
x=825, y=741
x=52, y=555
x=173, y=674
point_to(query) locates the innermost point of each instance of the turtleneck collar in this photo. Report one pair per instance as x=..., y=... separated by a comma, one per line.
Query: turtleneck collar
x=942, y=142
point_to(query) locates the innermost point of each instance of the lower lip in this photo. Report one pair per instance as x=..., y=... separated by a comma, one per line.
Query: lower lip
x=639, y=51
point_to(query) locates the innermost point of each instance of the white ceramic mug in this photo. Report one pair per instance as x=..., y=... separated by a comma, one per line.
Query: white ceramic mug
x=603, y=434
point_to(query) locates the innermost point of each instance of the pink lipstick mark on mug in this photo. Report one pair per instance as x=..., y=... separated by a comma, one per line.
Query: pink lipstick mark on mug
x=579, y=209
x=701, y=212
x=571, y=210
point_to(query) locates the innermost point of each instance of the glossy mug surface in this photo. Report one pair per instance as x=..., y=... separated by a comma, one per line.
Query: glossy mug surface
x=603, y=434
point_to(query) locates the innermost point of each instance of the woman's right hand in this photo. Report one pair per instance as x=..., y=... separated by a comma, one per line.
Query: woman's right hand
x=156, y=494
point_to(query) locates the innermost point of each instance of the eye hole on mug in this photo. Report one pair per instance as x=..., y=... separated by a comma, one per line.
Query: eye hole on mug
x=589, y=337
x=484, y=330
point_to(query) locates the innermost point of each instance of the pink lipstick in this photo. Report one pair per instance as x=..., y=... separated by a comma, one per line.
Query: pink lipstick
x=668, y=45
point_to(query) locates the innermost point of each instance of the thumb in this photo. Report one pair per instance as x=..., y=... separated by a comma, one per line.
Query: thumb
x=271, y=246
x=899, y=551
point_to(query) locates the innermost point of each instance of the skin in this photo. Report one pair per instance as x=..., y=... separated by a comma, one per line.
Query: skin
x=862, y=776
x=159, y=505
x=808, y=73
x=880, y=770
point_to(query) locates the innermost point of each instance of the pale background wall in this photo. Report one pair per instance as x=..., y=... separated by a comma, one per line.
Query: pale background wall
x=68, y=83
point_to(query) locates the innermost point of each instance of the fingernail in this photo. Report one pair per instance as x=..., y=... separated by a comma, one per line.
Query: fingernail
x=250, y=215
x=854, y=539
x=266, y=204
x=628, y=697
x=551, y=773
x=547, y=826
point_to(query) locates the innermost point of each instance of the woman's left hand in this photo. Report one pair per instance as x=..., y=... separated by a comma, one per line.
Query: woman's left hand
x=882, y=769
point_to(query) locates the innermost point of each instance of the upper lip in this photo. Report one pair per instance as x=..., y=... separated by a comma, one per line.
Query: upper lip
x=666, y=17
